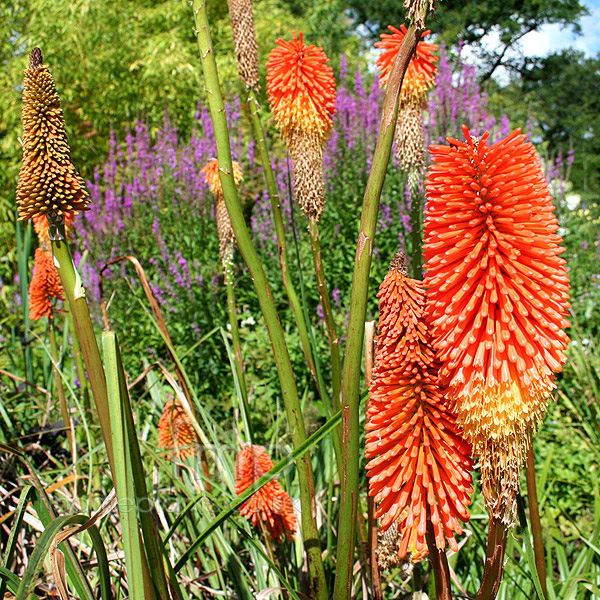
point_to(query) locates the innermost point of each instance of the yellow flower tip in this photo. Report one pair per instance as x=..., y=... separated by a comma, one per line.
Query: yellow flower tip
x=48, y=181
x=271, y=504
x=211, y=176
x=301, y=88
x=418, y=462
x=176, y=432
x=420, y=74
x=497, y=297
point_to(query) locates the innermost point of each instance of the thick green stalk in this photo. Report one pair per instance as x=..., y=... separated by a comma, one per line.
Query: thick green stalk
x=78, y=362
x=534, y=515
x=75, y=294
x=237, y=351
x=358, y=309
x=265, y=298
x=263, y=151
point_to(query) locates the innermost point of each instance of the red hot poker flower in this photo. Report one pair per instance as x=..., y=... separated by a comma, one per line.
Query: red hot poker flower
x=498, y=297
x=271, y=504
x=175, y=431
x=419, y=465
x=44, y=287
x=420, y=75
x=301, y=88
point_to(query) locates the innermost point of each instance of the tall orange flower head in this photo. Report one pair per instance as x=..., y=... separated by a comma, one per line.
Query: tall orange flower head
x=301, y=88
x=224, y=228
x=498, y=295
x=175, y=431
x=420, y=74
x=271, y=504
x=48, y=181
x=45, y=286
x=301, y=91
x=419, y=464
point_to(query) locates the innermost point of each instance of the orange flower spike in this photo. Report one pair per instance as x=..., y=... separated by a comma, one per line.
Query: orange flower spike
x=301, y=87
x=419, y=464
x=498, y=295
x=211, y=176
x=44, y=286
x=420, y=75
x=271, y=504
x=48, y=181
x=175, y=431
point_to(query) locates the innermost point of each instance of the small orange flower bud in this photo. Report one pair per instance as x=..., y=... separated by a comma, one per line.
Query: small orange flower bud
x=175, y=431
x=271, y=504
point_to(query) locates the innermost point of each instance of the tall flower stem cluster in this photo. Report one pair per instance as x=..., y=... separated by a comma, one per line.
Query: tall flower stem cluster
x=358, y=308
x=244, y=35
x=265, y=297
x=50, y=186
x=226, y=249
x=302, y=94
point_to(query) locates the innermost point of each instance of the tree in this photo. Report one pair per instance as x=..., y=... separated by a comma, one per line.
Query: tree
x=470, y=22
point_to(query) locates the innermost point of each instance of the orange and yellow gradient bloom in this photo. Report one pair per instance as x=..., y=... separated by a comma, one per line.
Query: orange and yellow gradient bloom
x=409, y=138
x=498, y=295
x=418, y=463
x=420, y=74
x=302, y=94
x=271, y=505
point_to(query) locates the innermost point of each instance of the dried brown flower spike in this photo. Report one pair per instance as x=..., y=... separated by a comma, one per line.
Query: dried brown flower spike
x=48, y=181
x=244, y=40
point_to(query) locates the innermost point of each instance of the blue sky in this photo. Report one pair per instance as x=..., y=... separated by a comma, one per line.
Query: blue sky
x=552, y=38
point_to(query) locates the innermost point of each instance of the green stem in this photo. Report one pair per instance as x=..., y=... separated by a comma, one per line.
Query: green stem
x=416, y=211
x=60, y=390
x=534, y=515
x=265, y=298
x=79, y=362
x=75, y=294
x=334, y=341
x=263, y=151
x=358, y=309
x=237, y=350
